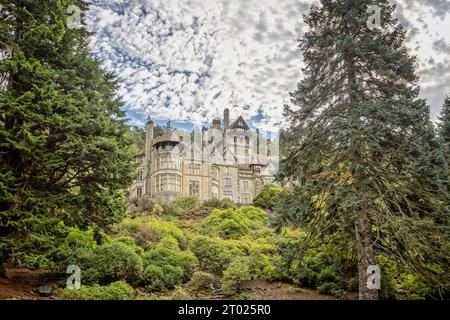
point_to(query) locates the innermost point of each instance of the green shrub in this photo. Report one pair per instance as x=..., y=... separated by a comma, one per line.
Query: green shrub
x=153, y=278
x=209, y=205
x=329, y=274
x=157, y=210
x=166, y=267
x=119, y=290
x=77, y=248
x=353, y=284
x=412, y=286
x=147, y=231
x=268, y=196
x=323, y=265
x=171, y=209
x=201, y=281
x=234, y=224
x=32, y=261
x=255, y=215
x=162, y=256
x=130, y=242
x=331, y=288
x=213, y=253
x=169, y=242
x=389, y=272
x=264, y=265
x=237, y=272
x=305, y=271
x=187, y=204
x=79, y=239
x=180, y=294
x=159, y=278
x=111, y=262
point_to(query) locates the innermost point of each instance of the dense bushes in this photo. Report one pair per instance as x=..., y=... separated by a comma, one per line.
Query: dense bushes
x=236, y=260
x=187, y=204
x=237, y=272
x=147, y=231
x=201, y=281
x=113, y=261
x=268, y=196
x=167, y=267
x=236, y=223
x=119, y=290
x=401, y=283
x=328, y=265
x=163, y=250
x=214, y=254
x=249, y=267
x=208, y=206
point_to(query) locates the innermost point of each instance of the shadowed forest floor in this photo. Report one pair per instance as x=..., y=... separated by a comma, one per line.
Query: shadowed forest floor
x=23, y=283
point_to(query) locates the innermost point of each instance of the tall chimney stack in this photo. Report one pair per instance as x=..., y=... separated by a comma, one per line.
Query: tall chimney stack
x=257, y=142
x=226, y=118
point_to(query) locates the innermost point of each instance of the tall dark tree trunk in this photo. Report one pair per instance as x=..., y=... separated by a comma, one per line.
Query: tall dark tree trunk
x=366, y=256
x=2, y=267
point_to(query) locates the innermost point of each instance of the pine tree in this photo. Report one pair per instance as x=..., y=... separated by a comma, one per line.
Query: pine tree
x=361, y=148
x=64, y=150
x=444, y=121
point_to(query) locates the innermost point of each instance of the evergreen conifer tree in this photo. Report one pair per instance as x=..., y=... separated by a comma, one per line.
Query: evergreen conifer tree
x=64, y=144
x=361, y=148
x=444, y=121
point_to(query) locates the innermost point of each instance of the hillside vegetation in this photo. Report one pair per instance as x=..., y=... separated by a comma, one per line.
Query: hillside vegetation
x=188, y=249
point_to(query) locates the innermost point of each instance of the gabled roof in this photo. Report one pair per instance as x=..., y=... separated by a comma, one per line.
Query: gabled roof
x=239, y=123
x=260, y=159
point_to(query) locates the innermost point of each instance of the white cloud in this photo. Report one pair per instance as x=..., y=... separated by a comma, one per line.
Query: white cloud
x=187, y=60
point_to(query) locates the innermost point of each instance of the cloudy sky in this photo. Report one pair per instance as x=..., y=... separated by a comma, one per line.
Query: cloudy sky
x=186, y=60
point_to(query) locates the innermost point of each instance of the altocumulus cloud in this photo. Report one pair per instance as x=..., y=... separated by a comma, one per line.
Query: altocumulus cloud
x=187, y=60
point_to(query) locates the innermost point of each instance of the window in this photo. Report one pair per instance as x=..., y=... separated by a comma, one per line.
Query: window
x=245, y=198
x=140, y=175
x=194, y=168
x=194, y=188
x=228, y=194
x=166, y=162
x=245, y=185
x=215, y=173
x=168, y=182
x=139, y=192
x=227, y=182
x=163, y=182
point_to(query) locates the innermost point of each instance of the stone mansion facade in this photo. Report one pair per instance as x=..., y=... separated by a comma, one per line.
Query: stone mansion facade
x=223, y=161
